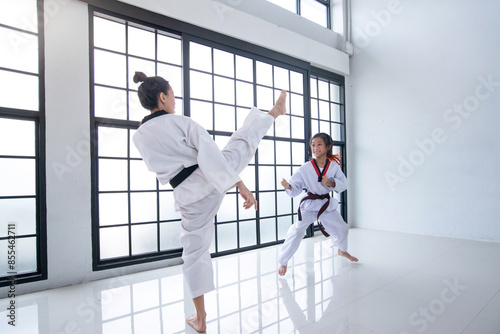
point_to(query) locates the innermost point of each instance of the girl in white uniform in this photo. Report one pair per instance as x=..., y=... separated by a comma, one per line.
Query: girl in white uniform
x=319, y=176
x=181, y=152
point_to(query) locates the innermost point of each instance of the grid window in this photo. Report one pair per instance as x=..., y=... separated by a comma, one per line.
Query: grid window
x=133, y=213
x=327, y=115
x=281, y=152
x=215, y=84
x=317, y=11
x=224, y=86
x=22, y=174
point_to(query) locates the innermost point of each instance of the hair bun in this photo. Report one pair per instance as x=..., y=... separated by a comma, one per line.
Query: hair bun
x=139, y=77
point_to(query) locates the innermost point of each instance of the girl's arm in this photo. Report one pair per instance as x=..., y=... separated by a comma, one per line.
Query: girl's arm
x=339, y=180
x=296, y=184
x=285, y=184
x=328, y=182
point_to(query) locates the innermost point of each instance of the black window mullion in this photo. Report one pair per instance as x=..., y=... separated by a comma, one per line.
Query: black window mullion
x=96, y=248
x=186, y=68
x=216, y=230
x=158, y=218
x=308, y=123
x=238, y=242
x=129, y=193
x=256, y=159
x=343, y=195
x=275, y=193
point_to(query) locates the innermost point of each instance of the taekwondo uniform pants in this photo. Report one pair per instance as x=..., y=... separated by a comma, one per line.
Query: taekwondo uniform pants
x=197, y=218
x=333, y=223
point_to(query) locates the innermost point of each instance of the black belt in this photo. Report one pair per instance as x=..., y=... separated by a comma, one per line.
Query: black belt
x=182, y=175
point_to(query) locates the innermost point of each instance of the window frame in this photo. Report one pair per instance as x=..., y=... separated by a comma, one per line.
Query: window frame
x=328, y=7
x=326, y=3
x=188, y=33
x=38, y=117
x=273, y=62
x=95, y=123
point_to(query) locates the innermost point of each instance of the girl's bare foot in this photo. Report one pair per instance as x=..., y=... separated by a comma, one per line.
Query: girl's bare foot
x=280, y=106
x=348, y=256
x=198, y=324
x=282, y=270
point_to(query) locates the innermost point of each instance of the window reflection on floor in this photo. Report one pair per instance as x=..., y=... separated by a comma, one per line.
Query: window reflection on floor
x=249, y=296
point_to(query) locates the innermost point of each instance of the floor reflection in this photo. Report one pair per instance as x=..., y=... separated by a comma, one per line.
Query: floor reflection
x=321, y=293
x=249, y=298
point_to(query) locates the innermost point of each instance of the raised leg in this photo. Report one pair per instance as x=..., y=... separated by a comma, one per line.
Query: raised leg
x=244, y=142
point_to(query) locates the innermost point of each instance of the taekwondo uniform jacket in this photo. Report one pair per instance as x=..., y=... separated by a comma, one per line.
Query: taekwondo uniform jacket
x=307, y=178
x=169, y=143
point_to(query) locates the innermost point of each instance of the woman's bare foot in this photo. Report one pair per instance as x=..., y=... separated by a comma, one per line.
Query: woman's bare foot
x=198, y=324
x=282, y=270
x=280, y=106
x=348, y=256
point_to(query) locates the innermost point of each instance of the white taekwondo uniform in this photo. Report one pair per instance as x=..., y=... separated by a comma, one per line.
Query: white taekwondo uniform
x=170, y=143
x=307, y=178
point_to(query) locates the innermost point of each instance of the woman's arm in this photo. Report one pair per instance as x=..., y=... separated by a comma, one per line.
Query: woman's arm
x=247, y=196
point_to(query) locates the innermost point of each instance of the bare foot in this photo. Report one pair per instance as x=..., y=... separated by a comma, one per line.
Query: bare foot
x=280, y=106
x=282, y=270
x=198, y=324
x=348, y=256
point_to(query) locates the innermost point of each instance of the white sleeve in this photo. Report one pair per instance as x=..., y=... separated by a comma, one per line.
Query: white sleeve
x=210, y=159
x=297, y=183
x=340, y=180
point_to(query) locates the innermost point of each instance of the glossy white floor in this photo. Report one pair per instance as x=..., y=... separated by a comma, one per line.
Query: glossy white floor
x=403, y=283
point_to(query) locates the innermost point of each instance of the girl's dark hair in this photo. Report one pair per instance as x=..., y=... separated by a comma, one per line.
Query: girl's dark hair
x=150, y=89
x=328, y=142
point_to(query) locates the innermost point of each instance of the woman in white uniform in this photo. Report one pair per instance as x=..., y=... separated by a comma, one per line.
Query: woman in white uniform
x=319, y=176
x=181, y=152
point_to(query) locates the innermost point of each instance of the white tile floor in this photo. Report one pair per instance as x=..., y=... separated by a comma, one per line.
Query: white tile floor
x=403, y=284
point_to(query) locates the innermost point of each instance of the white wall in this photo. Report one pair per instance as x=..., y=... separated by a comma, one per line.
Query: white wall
x=416, y=162
x=67, y=123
